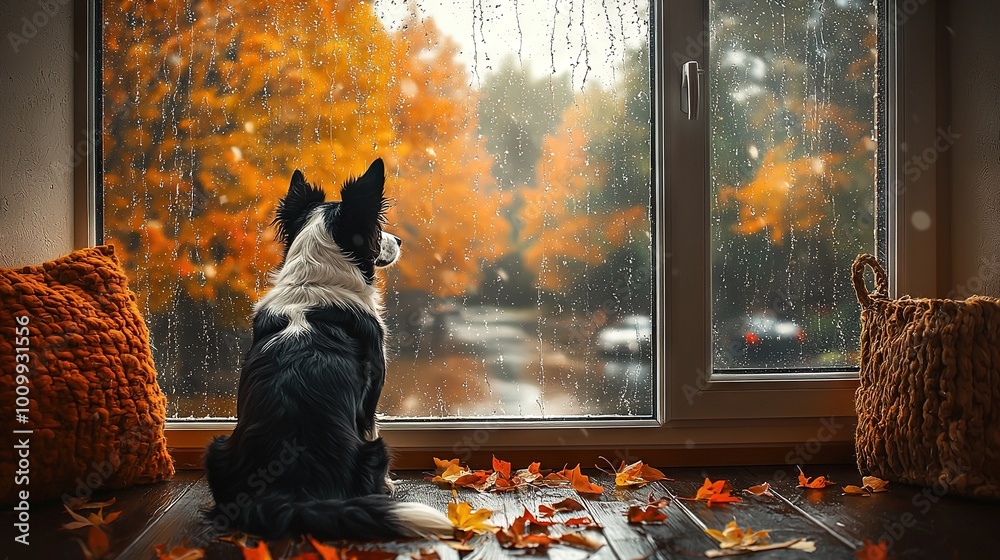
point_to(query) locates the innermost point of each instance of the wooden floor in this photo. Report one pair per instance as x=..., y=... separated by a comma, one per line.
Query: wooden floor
x=916, y=522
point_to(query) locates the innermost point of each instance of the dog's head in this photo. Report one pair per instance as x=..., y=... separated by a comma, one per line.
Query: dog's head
x=307, y=225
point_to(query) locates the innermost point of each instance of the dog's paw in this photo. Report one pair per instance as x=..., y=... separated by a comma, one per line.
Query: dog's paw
x=389, y=486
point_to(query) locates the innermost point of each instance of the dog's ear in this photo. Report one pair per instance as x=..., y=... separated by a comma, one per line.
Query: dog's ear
x=294, y=209
x=365, y=196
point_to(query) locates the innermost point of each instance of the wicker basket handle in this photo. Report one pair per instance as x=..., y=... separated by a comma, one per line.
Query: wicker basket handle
x=858, y=275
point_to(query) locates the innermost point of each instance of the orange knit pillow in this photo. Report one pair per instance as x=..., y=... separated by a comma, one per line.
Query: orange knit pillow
x=78, y=376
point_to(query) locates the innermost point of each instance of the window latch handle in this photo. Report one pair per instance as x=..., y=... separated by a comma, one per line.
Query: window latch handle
x=691, y=88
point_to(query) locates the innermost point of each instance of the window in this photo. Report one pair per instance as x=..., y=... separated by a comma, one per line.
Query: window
x=579, y=252
x=518, y=143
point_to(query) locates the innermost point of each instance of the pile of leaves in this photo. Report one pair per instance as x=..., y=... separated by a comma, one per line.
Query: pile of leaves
x=452, y=474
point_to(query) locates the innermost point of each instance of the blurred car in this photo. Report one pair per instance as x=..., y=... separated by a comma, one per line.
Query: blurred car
x=765, y=340
x=628, y=338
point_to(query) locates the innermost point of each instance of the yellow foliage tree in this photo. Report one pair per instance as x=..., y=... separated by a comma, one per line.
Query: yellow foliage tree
x=208, y=111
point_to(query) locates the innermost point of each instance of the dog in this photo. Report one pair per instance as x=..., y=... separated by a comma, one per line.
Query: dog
x=306, y=456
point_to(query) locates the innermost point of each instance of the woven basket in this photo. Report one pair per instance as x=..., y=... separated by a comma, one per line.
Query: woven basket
x=929, y=401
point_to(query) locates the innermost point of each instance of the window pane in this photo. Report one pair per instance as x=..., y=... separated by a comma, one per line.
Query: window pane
x=517, y=139
x=791, y=88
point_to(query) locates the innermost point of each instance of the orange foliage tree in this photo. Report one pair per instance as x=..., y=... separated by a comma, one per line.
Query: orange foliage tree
x=208, y=111
x=590, y=194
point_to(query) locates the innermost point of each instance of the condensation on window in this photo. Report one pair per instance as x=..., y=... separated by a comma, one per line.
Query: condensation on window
x=517, y=141
x=791, y=88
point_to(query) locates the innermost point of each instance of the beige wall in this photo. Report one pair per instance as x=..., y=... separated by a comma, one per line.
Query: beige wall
x=36, y=132
x=975, y=164
x=36, y=186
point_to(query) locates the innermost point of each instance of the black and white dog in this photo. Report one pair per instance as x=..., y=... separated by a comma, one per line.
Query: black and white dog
x=312, y=379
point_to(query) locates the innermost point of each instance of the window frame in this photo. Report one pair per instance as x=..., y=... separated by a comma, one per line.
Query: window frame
x=692, y=412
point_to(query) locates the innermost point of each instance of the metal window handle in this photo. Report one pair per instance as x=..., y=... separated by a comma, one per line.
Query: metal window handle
x=691, y=88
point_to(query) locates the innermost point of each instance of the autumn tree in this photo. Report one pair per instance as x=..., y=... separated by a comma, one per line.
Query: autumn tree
x=208, y=111
x=792, y=168
x=585, y=215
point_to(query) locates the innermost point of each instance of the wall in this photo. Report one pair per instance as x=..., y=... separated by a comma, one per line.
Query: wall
x=36, y=131
x=975, y=157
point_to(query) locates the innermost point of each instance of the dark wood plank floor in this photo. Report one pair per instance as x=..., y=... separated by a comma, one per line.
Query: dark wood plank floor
x=916, y=522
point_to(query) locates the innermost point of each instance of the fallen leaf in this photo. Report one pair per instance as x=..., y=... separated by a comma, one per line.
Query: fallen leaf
x=93, y=520
x=760, y=490
x=795, y=544
x=580, y=482
x=875, y=484
x=580, y=522
x=636, y=474
x=644, y=514
x=569, y=504
x=484, y=484
x=441, y=466
x=526, y=532
x=178, y=553
x=464, y=519
x=501, y=466
x=733, y=536
x=871, y=485
x=580, y=540
x=872, y=551
x=818, y=482
x=717, y=492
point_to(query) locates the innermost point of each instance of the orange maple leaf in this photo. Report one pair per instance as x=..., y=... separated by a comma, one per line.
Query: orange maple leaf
x=440, y=466
x=818, y=482
x=636, y=474
x=872, y=551
x=717, y=492
x=502, y=467
x=580, y=482
x=644, y=514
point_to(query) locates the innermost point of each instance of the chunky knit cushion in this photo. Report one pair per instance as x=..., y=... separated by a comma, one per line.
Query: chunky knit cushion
x=72, y=330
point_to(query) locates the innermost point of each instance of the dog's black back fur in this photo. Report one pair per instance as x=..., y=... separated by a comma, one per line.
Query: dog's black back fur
x=305, y=456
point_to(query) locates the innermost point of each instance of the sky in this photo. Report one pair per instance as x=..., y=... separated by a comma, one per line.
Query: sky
x=586, y=38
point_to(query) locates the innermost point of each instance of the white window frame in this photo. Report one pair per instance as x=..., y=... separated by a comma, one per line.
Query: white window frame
x=693, y=410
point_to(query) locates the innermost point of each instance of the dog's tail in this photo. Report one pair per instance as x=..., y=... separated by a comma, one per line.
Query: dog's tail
x=374, y=517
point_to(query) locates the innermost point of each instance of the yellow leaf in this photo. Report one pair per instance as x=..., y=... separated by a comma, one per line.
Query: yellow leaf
x=464, y=519
x=735, y=537
x=637, y=474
